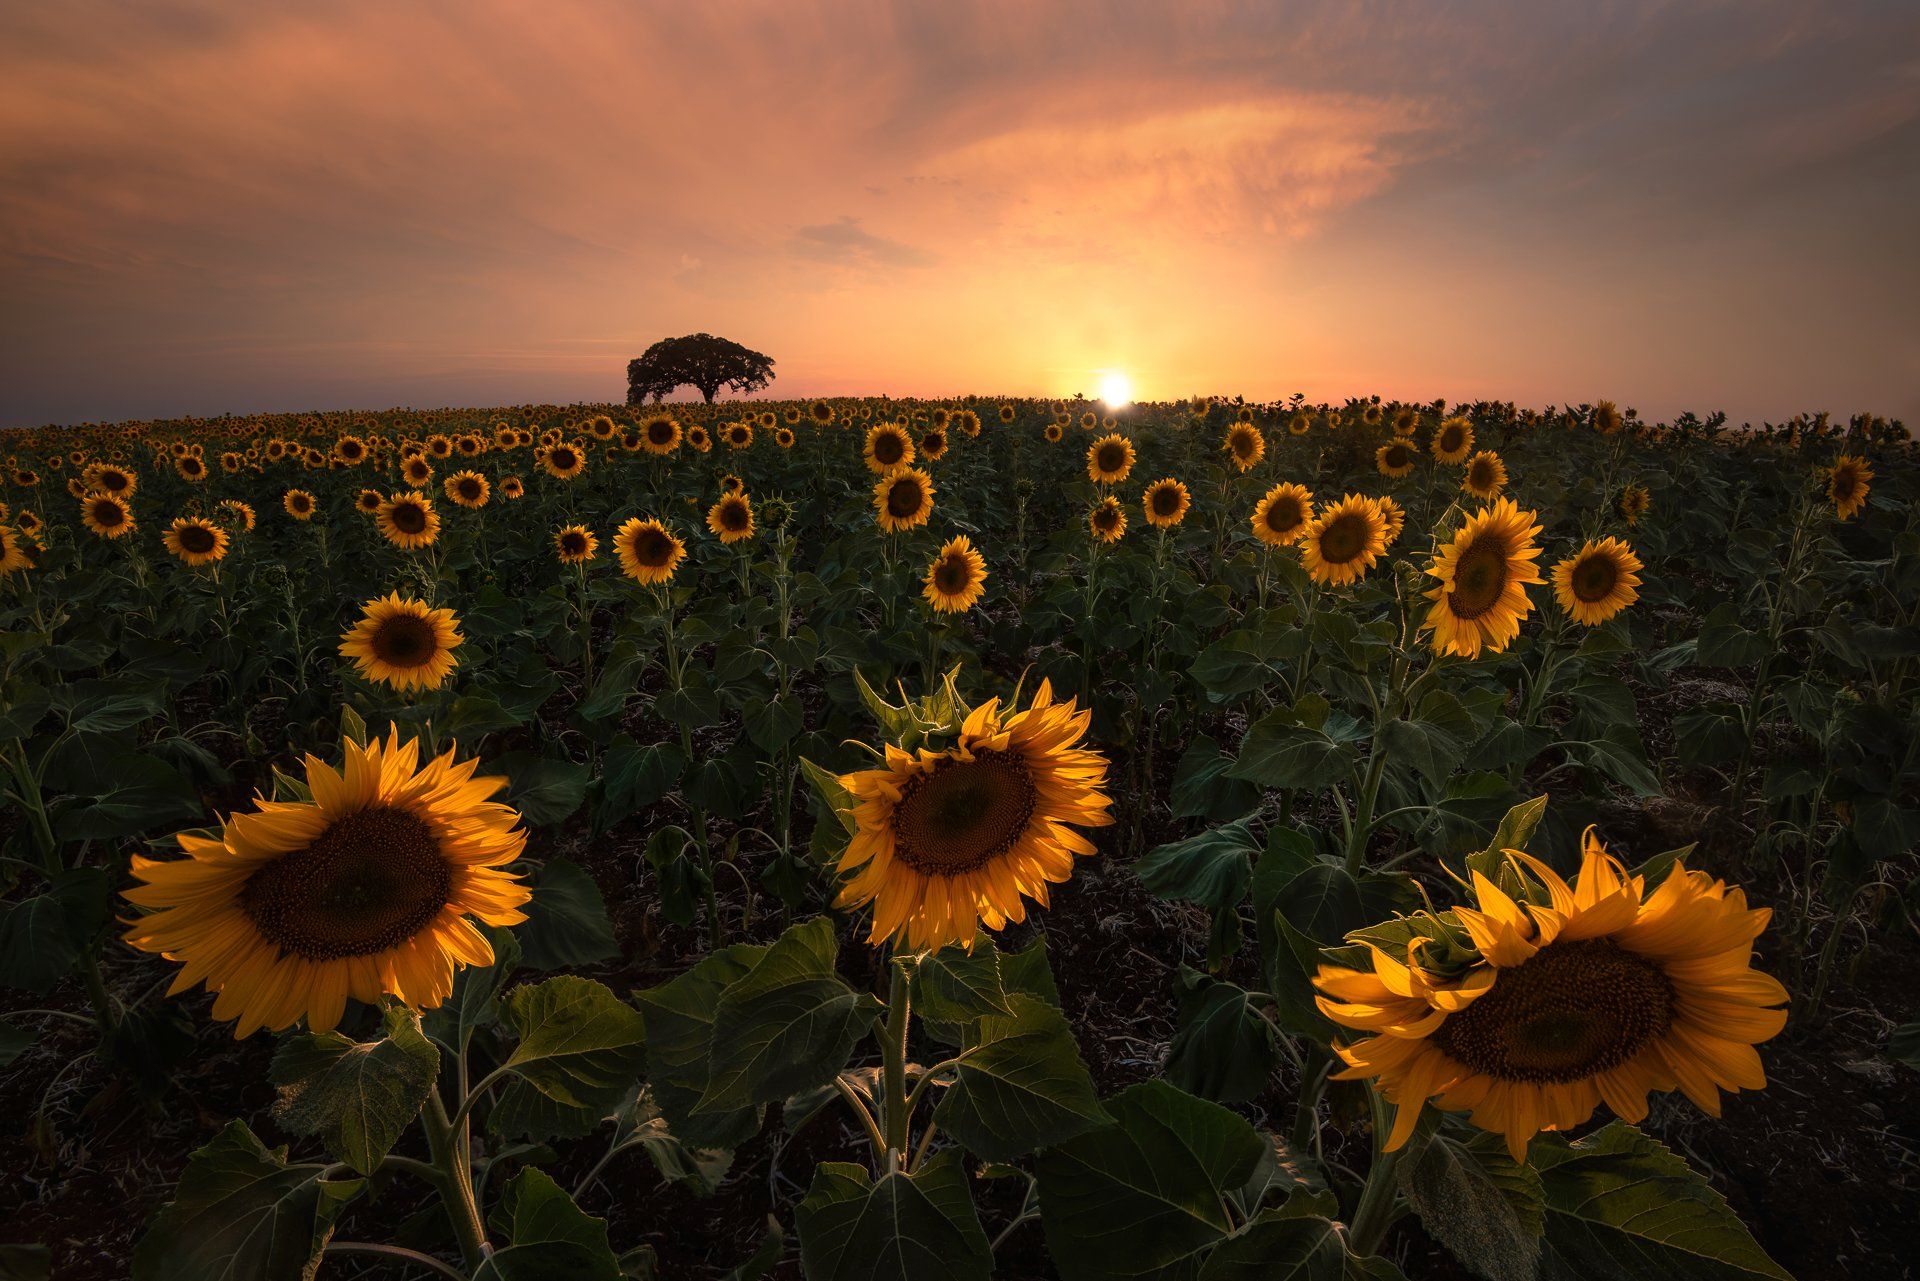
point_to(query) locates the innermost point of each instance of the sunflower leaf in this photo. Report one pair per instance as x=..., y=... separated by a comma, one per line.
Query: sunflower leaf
x=1022, y=1087
x=907, y=1227
x=1223, y=1048
x=549, y=1238
x=359, y=1097
x=579, y=1044
x=678, y=1016
x=1279, y=1246
x=1477, y=1202
x=566, y=920
x=1212, y=868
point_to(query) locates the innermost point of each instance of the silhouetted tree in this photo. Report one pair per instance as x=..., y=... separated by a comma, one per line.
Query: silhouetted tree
x=697, y=360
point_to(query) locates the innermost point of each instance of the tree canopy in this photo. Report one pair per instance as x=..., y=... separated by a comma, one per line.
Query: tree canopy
x=696, y=360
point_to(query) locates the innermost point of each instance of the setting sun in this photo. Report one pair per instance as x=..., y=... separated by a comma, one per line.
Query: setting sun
x=1116, y=389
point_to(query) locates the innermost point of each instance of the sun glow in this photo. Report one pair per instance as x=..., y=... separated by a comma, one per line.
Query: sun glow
x=1116, y=389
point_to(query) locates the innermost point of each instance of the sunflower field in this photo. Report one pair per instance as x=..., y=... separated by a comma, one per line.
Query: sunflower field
x=876, y=839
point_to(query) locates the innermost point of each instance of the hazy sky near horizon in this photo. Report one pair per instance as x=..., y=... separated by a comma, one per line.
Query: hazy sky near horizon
x=231, y=206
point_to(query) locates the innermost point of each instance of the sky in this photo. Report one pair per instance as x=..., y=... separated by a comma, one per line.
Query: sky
x=243, y=207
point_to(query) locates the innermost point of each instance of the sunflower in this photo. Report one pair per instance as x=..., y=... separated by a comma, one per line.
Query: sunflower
x=732, y=517
x=1598, y=581
x=107, y=515
x=575, y=545
x=739, y=435
x=1406, y=420
x=1847, y=485
x=299, y=504
x=14, y=556
x=821, y=413
x=1247, y=445
x=1606, y=418
x=1165, y=502
x=468, y=489
x=933, y=444
x=946, y=842
x=196, y=540
x=1633, y=503
x=1281, y=516
x=903, y=500
x=1486, y=475
x=957, y=578
x=660, y=435
x=1395, y=458
x=698, y=438
x=732, y=484
x=350, y=450
x=783, y=437
x=239, y=513
x=105, y=478
x=966, y=422
x=368, y=501
x=1108, y=520
x=1453, y=440
x=1484, y=574
x=192, y=468
x=1109, y=459
x=1395, y=518
x=440, y=446
x=512, y=487
x=362, y=892
x=408, y=520
x=1054, y=433
x=648, y=552
x=403, y=643
x=888, y=449
x=417, y=471
x=1299, y=425
x=563, y=461
x=1549, y=1003
x=1342, y=543
x=1006, y=413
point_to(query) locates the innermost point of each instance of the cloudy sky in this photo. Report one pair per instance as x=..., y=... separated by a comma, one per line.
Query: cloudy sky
x=234, y=206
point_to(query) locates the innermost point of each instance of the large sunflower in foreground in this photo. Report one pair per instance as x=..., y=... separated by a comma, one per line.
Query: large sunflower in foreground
x=1598, y=581
x=1281, y=515
x=732, y=517
x=903, y=500
x=957, y=578
x=195, y=540
x=1568, y=997
x=1847, y=485
x=1484, y=574
x=1453, y=440
x=107, y=515
x=1342, y=543
x=948, y=841
x=1165, y=503
x=365, y=891
x=1109, y=459
x=648, y=551
x=406, y=644
x=408, y=520
x=888, y=449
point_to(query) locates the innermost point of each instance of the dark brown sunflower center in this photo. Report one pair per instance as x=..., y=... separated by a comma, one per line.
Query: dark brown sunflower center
x=1479, y=578
x=197, y=539
x=903, y=499
x=108, y=514
x=1110, y=458
x=1166, y=501
x=1595, y=578
x=369, y=882
x=405, y=640
x=1344, y=538
x=573, y=542
x=887, y=448
x=408, y=518
x=1243, y=444
x=964, y=814
x=469, y=488
x=1396, y=455
x=660, y=431
x=1451, y=439
x=734, y=516
x=112, y=481
x=563, y=459
x=1480, y=475
x=652, y=548
x=1284, y=514
x=953, y=575
x=1843, y=485
x=1574, y=1010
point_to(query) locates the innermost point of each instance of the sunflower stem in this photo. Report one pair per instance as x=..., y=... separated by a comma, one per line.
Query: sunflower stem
x=456, y=1192
x=1374, y=1214
x=893, y=1058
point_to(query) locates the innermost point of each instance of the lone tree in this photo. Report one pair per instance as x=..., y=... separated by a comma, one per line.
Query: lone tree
x=697, y=360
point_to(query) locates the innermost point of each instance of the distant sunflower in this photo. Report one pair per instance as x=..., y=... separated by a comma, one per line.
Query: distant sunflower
x=660, y=435
x=1246, y=444
x=903, y=500
x=648, y=552
x=14, y=556
x=1406, y=420
x=440, y=446
x=1165, y=503
x=966, y=422
x=364, y=891
x=1453, y=440
x=513, y=487
x=563, y=461
x=732, y=484
x=698, y=440
x=107, y=515
x=1486, y=475
x=196, y=540
x=888, y=448
x=1569, y=996
x=192, y=468
x=946, y=842
x=821, y=413
x=1598, y=581
x=417, y=471
x=957, y=577
x=1109, y=460
x=731, y=518
x=1633, y=503
x=1006, y=413
x=105, y=478
x=1282, y=515
x=298, y=504
x=350, y=450
x=1606, y=418
x=1395, y=458
x=468, y=489
x=575, y=545
x=1108, y=520
x=739, y=435
x=1054, y=433
x=933, y=444
x=408, y=520
x=402, y=643
x=368, y=501
x=1847, y=485
x=783, y=437
x=1299, y=425
x=1484, y=574
x=239, y=513
x=1372, y=415
x=1342, y=543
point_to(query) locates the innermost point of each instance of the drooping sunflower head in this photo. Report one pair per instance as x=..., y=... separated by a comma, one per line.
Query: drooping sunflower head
x=1544, y=1000
x=238, y=514
x=107, y=515
x=660, y=435
x=903, y=500
x=1483, y=578
x=468, y=489
x=957, y=578
x=1598, y=581
x=408, y=520
x=575, y=545
x=1633, y=503
x=1486, y=475
x=513, y=487
x=948, y=841
x=648, y=551
x=1453, y=440
x=1606, y=418
x=1343, y=541
x=888, y=448
x=1107, y=522
x=14, y=555
x=1390, y=512
x=1282, y=514
x=369, y=891
x=1166, y=502
x=403, y=643
x=1395, y=458
x=732, y=517
x=196, y=540
x=1109, y=459
x=1847, y=485
x=1246, y=444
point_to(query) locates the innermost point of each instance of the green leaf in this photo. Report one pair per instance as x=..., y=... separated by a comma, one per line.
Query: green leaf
x=1477, y=1202
x=1202, y=788
x=773, y=723
x=1028, y=971
x=15, y=1041
x=144, y=793
x=1147, y=1196
x=549, y=1238
x=787, y=1026
x=640, y=1121
x=954, y=986
x=1211, y=869
x=634, y=777
x=1023, y=1087
x=474, y=989
x=579, y=1044
x=1621, y=1207
x=567, y=921
x=241, y=1213
x=41, y=938
x=1513, y=833
x=683, y=880
x=679, y=1016
x=1280, y=753
x=836, y=798
x=544, y=791
x=1432, y=750
x=1277, y=1246
x=357, y=1096
x=907, y=1227
x=1223, y=1049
